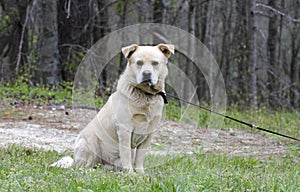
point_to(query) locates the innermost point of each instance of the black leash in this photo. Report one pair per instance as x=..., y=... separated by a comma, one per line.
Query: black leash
x=164, y=95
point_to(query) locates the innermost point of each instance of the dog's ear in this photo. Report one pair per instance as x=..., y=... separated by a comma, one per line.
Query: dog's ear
x=129, y=50
x=166, y=49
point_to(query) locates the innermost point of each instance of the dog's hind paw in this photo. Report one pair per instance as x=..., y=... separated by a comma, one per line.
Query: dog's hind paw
x=65, y=162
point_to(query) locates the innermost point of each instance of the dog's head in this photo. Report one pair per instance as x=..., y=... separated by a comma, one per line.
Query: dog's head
x=148, y=64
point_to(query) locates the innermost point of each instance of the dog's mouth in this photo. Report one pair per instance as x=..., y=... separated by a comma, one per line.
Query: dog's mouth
x=147, y=82
x=149, y=86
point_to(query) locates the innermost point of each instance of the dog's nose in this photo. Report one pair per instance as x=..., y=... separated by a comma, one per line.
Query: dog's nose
x=146, y=75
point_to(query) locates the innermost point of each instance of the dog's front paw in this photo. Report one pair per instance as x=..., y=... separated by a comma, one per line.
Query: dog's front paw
x=140, y=170
x=128, y=169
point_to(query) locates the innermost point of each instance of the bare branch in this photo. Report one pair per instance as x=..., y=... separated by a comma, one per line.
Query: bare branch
x=21, y=39
x=278, y=12
x=69, y=9
x=75, y=45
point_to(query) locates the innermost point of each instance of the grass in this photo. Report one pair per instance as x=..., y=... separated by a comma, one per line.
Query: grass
x=28, y=170
x=21, y=92
x=283, y=121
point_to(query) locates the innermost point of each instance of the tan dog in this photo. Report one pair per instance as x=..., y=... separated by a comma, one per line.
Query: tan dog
x=120, y=133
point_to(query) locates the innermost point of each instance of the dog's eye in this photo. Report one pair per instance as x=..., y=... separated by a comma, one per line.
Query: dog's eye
x=154, y=63
x=139, y=63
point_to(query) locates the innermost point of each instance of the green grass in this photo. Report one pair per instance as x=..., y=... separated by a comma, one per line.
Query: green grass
x=28, y=170
x=22, y=93
x=283, y=121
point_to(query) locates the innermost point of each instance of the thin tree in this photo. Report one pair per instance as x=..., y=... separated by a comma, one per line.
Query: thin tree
x=273, y=76
x=48, y=69
x=252, y=26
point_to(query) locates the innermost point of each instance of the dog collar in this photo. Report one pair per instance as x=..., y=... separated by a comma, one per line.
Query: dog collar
x=161, y=93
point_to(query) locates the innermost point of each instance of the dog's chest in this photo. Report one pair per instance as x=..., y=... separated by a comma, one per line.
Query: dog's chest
x=145, y=121
x=141, y=130
x=145, y=114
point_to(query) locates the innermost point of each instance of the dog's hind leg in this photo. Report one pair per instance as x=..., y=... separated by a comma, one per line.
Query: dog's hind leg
x=85, y=153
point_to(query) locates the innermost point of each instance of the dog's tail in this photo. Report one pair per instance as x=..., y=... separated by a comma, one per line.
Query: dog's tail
x=65, y=162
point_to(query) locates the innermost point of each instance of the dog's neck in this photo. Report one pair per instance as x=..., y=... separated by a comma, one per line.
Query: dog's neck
x=152, y=93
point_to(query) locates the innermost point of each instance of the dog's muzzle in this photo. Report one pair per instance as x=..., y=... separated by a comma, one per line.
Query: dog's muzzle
x=146, y=77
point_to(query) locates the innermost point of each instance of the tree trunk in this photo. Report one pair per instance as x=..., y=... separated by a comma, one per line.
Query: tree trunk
x=295, y=64
x=188, y=64
x=200, y=32
x=252, y=27
x=158, y=7
x=122, y=24
x=48, y=70
x=100, y=32
x=227, y=42
x=240, y=81
x=273, y=76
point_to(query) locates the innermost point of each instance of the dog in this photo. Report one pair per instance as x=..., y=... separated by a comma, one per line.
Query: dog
x=120, y=133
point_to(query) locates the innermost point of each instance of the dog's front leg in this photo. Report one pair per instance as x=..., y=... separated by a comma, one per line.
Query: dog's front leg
x=141, y=154
x=124, y=136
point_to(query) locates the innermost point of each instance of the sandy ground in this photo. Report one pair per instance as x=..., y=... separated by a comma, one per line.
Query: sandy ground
x=56, y=128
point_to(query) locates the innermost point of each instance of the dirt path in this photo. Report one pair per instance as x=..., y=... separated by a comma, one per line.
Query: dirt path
x=57, y=128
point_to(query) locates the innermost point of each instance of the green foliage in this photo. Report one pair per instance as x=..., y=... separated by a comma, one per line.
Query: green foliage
x=21, y=91
x=173, y=111
x=72, y=64
x=33, y=45
x=119, y=7
x=186, y=113
x=5, y=21
x=24, y=169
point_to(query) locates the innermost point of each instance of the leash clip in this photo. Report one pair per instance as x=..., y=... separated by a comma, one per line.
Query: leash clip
x=254, y=126
x=164, y=96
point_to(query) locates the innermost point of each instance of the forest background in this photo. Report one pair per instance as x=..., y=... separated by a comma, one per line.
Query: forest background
x=256, y=43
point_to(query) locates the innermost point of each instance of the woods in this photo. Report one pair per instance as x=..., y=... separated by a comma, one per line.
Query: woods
x=255, y=42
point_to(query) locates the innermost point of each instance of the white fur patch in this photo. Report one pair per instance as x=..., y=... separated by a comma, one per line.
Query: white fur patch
x=65, y=162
